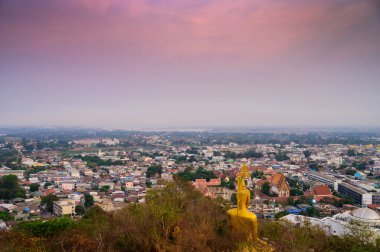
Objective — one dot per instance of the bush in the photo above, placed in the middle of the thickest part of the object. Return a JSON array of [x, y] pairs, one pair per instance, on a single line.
[[173, 218]]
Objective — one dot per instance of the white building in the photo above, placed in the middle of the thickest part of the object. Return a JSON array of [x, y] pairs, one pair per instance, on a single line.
[[64, 207], [324, 179], [75, 173], [342, 223], [18, 173], [67, 186]]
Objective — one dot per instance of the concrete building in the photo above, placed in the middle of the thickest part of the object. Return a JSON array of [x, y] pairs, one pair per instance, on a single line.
[[67, 186], [342, 223], [64, 207], [325, 179], [18, 173], [376, 198], [360, 196]]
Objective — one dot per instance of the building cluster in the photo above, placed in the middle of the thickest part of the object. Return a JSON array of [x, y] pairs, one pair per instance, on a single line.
[[284, 178]]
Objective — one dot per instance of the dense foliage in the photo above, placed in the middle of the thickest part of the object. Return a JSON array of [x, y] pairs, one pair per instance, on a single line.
[[94, 161], [155, 170], [174, 218], [247, 154], [9, 158], [48, 202], [189, 175], [10, 188]]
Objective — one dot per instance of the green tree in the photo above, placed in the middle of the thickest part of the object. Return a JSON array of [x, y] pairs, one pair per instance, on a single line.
[[351, 153], [88, 200], [154, 170], [265, 188], [290, 201], [296, 192], [48, 202], [307, 153], [201, 173], [48, 228], [231, 184], [79, 209], [281, 156], [34, 187], [362, 166], [47, 184], [148, 184], [5, 216], [257, 174], [350, 172], [104, 188], [10, 188]]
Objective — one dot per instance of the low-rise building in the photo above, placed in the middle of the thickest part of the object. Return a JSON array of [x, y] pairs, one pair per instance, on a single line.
[[64, 207], [360, 196]]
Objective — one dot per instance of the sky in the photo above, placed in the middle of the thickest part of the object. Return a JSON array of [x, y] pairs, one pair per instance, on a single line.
[[190, 63]]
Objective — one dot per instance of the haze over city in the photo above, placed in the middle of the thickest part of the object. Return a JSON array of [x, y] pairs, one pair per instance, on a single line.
[[146, 63]]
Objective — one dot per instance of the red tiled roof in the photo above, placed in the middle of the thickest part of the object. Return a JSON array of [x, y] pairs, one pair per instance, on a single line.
[[321, 190], [373, 206], [49, 191], [200, 182], [258, 168], [214, 182]]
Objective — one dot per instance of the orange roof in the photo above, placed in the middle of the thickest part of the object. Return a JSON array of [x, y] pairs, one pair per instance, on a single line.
[[214, 182], [258, 168], [200, 182], [49, 191], [321, 190], [373, 206], [279, 181], [277, 178]]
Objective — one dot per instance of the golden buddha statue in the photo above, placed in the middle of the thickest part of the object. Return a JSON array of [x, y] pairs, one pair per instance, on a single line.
[[244, 222]]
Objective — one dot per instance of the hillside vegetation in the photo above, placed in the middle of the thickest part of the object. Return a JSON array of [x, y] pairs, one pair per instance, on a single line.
[[175, 217]]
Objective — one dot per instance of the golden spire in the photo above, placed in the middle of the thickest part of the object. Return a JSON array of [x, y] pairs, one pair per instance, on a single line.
[[244, 173]]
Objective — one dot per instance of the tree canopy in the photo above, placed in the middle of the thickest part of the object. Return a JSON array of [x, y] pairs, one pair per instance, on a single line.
[[88, 200], [48, 202], [154, 170], [175, 217], [10, 188]]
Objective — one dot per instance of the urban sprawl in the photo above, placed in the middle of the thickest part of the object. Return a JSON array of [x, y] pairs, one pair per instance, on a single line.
[[329, 179]]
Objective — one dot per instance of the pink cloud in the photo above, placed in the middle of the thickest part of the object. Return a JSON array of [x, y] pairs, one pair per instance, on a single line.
[[245, 30]]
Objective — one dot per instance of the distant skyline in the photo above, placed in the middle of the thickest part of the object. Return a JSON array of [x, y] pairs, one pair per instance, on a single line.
[[190, 63]]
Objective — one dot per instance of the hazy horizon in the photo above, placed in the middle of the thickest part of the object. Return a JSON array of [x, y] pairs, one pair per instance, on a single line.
[[190, 64]]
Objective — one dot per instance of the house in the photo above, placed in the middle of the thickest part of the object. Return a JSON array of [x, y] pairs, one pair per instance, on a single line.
[[214, 182], [200, 183], [320, 192], [259, 183], [64, 207], [279, 185]]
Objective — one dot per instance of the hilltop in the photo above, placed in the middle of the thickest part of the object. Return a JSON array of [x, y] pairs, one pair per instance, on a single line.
[[175, 217]]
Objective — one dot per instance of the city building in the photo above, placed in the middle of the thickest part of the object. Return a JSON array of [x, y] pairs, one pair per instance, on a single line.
[[18, 173], [325, 179], [342, 223], [64, 207], [360, 196]]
